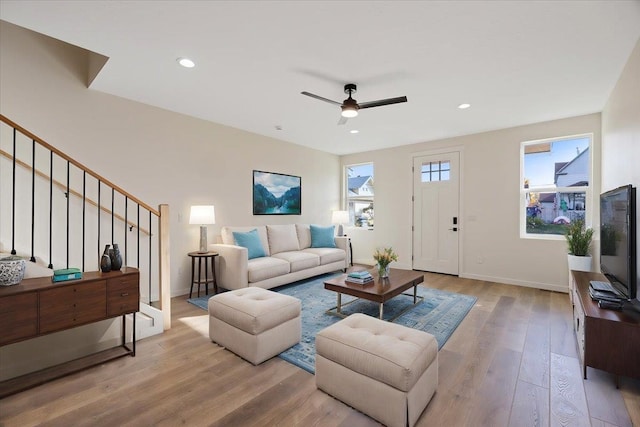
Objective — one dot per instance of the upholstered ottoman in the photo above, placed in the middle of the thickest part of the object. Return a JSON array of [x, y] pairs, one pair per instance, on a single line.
[[385, 370], [254, 323]]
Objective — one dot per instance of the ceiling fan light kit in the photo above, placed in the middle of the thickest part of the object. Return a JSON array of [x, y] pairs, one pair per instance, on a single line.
[[349, 111], [350, 106]]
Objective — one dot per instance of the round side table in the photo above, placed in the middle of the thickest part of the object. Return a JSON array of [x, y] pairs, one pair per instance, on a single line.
[[206, 256]]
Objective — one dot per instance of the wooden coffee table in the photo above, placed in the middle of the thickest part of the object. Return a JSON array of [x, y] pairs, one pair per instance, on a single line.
[[380, 291]]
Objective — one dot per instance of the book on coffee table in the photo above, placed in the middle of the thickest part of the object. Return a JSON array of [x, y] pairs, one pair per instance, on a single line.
[[359, 281]]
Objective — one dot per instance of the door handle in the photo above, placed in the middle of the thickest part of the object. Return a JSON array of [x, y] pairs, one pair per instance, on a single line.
[[453, 229]]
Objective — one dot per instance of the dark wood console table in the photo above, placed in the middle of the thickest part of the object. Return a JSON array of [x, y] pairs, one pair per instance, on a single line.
[[37, 307], [607, 339]]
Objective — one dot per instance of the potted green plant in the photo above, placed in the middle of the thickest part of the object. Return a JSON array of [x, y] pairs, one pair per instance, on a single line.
[[579, 240]]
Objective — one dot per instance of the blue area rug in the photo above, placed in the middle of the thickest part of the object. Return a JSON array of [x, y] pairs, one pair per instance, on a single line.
[[439, 314]]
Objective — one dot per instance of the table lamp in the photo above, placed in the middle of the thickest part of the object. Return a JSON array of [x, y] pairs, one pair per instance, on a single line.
[[202, 215], [340, 217]]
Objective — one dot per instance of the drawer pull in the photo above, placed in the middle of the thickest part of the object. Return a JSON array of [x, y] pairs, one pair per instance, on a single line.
[[124, 294]]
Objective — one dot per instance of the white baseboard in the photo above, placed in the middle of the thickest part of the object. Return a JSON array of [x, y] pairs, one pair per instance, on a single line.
[[516, 282]]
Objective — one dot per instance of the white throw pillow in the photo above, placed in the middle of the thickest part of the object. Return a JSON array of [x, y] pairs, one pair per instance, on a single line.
[[304, 235], [282, 238]]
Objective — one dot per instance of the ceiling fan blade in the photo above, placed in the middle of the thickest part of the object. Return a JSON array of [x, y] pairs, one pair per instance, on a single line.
[[321, 98], [343, 120], [382, 102]]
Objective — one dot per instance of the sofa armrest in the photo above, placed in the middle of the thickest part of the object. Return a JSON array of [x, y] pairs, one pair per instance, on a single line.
[[232, 269], [342, 242]]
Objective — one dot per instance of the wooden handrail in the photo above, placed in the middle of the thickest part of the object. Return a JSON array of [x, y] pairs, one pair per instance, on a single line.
[[77, 164], [75, 193]]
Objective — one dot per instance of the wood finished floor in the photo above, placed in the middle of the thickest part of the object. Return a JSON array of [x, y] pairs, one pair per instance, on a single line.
[[512, 362]]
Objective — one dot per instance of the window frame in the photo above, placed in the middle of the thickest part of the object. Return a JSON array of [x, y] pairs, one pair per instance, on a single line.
[[588, 189], [347, 199]]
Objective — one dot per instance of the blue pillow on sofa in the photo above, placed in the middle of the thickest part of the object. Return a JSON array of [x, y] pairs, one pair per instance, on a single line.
[[251, 241], [322, 237]]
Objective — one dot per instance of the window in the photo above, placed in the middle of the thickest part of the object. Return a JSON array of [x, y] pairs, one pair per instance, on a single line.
[[359, 193], [436, 171], [554, 190]]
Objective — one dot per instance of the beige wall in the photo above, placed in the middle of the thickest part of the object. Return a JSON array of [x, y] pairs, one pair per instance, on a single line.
[[156, 155], [491, 247], [621, 133]]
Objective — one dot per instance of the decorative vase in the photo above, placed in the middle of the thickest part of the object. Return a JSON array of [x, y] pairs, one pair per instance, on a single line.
[[105, 261], [116, 258], [12, 270], [383, 271]]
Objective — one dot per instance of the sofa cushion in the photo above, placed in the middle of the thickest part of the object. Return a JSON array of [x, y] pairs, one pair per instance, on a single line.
[[282, 238], [266, 267], [327, 255], [322, 237], [226, 233], [304, 235], [251, 241], [299, 260]]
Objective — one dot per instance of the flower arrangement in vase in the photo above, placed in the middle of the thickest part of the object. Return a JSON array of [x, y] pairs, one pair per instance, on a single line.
[[384, 257]]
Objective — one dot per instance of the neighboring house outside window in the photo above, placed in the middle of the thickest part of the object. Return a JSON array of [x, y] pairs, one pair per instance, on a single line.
[[360, 193], [555, 176]]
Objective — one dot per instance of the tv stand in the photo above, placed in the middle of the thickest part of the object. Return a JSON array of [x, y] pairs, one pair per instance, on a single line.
[[607, 339]]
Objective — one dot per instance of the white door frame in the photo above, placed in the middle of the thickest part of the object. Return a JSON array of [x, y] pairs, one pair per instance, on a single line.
[[461, 222]]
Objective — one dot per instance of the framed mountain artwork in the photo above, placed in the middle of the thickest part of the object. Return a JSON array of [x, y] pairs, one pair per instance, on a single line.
[[276, 194]]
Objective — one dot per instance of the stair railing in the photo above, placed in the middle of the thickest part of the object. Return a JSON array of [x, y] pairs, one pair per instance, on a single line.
[[92, 211]]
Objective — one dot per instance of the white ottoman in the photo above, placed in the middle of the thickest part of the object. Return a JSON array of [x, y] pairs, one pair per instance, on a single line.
[[385, 370], [254, 323]]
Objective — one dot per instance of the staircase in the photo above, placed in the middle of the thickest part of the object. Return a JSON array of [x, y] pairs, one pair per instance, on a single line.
[[57, 213]]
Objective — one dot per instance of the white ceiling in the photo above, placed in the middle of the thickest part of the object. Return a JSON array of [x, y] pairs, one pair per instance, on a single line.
[[516, 62]]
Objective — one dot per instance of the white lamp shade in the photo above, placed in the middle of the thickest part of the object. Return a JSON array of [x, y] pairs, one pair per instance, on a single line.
[[340, 217], [202, 215]]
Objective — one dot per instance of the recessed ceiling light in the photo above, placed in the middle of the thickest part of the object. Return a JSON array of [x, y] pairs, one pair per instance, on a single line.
[[354, 131], [464, 106], [186, 62]]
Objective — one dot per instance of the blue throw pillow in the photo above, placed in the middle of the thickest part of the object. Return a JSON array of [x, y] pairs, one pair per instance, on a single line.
[[322, 237], [251, 241]]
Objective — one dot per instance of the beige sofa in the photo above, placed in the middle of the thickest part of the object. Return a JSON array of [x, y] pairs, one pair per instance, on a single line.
[[289, 257]]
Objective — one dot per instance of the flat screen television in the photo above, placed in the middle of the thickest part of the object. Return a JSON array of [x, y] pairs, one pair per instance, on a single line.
[[618, 239]]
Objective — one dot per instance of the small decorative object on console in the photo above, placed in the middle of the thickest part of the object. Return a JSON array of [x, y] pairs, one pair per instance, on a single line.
[[12, 270], [66, 274], [105, 261], [384, 257], [116, 258]]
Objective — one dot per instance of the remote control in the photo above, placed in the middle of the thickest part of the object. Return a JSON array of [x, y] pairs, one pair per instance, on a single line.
[[609, 305]]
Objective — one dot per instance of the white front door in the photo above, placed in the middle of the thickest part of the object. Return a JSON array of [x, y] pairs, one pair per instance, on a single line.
[[436, 194]]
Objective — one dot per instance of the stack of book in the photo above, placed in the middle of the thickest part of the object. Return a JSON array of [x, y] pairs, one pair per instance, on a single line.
[[604, 291], [359, 277], [67, 274]]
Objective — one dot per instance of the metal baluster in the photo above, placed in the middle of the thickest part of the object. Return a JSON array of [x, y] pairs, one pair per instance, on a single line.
[[13, 199], [84, 196], [112, 207], [33, 199], [150, 233], [126, 223], [98, 219], [51, 209], [138, 245], [68, 198]]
